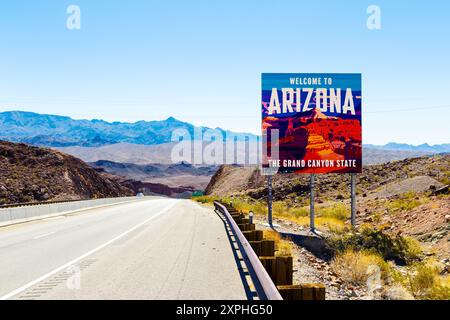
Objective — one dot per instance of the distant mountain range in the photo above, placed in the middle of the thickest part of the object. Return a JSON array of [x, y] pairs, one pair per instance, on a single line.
[[437, 148], [146, 142], [60, 131]]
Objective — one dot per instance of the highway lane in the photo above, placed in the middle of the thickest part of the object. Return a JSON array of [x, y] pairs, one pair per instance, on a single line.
[[149, 249]]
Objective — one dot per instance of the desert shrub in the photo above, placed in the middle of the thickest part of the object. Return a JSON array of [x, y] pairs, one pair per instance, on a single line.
[[411, 248], [376, 217], [355, 267], [257, 207], [238, 203], [444, 177], [403, 250], [421, 280], [334, 226], [283, 248], [438, 292], [424, 282], [407, 202], [404, 204], [397, 292], [204, 199]]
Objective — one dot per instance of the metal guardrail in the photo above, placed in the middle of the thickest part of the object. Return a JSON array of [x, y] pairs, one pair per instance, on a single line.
[[264, 285], [37, 203], [18, 213]]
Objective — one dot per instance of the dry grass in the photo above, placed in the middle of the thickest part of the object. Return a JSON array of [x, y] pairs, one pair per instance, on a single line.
[[283, 248], [272, 235], [363, 252], [424, 282], [355, 267], [407, 202], [330, 218], [205, 199], [421, 280], [401, 249]]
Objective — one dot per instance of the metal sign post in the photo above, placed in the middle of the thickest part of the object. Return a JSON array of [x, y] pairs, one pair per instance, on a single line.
[[311, 203], [353, 198], [269, 200]]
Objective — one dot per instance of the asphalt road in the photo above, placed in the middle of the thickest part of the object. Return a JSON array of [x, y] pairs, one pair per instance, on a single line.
[[150, 249]]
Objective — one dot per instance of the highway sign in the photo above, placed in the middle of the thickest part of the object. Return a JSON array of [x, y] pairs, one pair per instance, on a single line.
[[317, 121]]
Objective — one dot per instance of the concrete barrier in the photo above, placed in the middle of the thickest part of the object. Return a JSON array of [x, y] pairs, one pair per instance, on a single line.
[[28, 213]]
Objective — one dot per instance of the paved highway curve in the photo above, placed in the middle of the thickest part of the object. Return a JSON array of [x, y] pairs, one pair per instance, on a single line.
[[150, 249]]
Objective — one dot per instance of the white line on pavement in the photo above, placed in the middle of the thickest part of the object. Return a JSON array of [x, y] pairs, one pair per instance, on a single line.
[[44, 235], [55, 218], [68, 264]]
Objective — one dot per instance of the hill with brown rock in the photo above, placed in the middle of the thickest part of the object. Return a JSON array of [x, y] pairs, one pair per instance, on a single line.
[[387, 179], [409, 197], [29, 174]]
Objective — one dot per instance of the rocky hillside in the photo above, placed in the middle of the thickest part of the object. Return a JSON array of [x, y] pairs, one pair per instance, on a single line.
[[173, 175], [233, 180], [409, 197], [38, 174]]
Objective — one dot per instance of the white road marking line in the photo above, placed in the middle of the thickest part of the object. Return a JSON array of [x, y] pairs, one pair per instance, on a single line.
[[68, 264], [54, 218], [44, 235]]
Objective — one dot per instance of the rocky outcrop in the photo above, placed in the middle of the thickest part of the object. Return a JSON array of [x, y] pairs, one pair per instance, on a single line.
[[233, 178], [30, 174]]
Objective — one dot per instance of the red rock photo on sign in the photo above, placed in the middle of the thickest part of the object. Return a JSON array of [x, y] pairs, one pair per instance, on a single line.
[[316, 137]]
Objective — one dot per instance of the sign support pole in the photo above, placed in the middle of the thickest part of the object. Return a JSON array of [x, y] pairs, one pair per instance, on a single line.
[[269, 200], [353, 198], [311, 203]]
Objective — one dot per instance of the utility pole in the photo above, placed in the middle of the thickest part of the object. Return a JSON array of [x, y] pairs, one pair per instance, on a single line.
[[311, 203], [353, 198], [269, 200]]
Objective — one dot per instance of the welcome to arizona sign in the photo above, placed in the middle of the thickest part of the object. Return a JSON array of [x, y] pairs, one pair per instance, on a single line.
[[317, 119]]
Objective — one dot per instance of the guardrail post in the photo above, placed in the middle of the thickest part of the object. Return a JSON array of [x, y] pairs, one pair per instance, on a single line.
[[311, 203], [353, 198], [269, 200], [269, 264], [284, 266], [267, 248], [256, 246]]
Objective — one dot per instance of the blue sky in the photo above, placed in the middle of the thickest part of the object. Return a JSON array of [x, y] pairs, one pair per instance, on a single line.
[[201, 61]]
